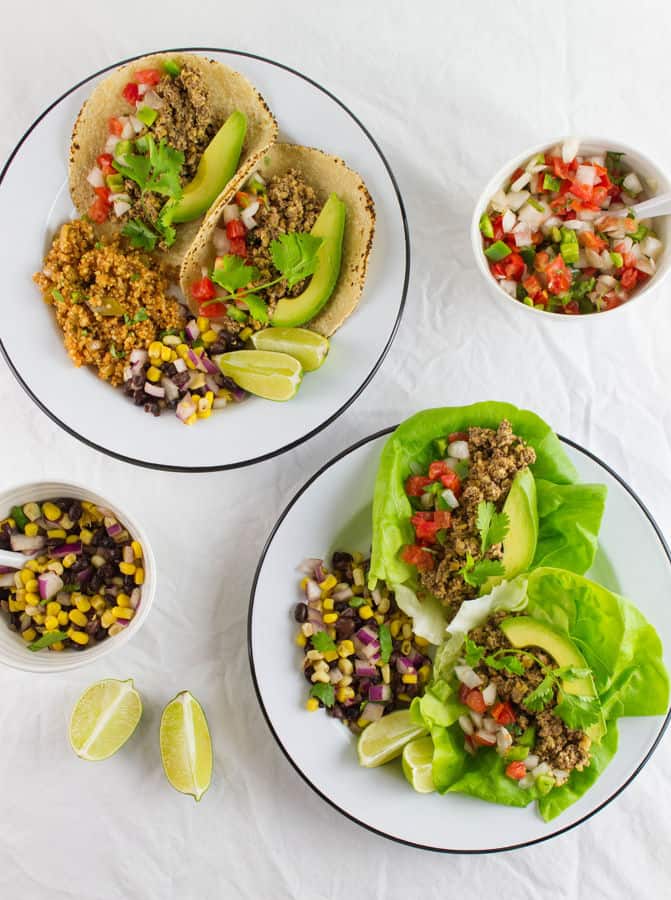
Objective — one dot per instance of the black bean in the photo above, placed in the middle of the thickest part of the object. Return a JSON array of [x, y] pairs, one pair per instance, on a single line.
[[301, 612], [101, 634], [345, 628], [341, 560], [153, 408], [75, 511], [128, 583], [92, 625]]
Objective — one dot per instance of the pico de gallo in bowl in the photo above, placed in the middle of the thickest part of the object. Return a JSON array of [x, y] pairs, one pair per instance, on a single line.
[[550, 238]]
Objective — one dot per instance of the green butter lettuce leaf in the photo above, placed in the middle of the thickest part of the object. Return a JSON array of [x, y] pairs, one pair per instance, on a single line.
[[484, 776], [449, 757], [568, 520]]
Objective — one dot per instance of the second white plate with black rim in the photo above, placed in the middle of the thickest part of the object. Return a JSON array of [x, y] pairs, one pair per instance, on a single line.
[[333, 511], [34, 199]]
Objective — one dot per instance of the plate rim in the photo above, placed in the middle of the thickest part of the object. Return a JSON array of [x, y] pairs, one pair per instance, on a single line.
[[332, 803], [164, 467]]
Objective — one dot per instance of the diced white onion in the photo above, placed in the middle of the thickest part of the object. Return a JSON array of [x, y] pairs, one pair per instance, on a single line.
[[142, 89], [476, 718], [498, 201], [522, 234], [489, 694], [466, 724], [532, 216], [599, 159], [222, 245], [570, 149], [151, 98], [127, 132], [574, 225], [526, 782], [486, 737], [549, 224], [504, 740], [231, 212], [646, 265], [121, 196], [467, 676], [632, 183], [96, 178], [515, 199], [257, 177], [651, 246], [593, 258], [509, 286], [137, 124], [521, 182], [121, 207], [450, 499], [111, 143], [531, 761], [541, 769], [535, 184], [588, 215], [490, 725], [606, 280], [247, 215], [586, 175], [508, 221], [458, 450]]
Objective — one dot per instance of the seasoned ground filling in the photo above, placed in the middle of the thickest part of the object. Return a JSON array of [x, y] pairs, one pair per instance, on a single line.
[[108, 299], [185, 123], [495, 458], [557, 744], [291, 205]]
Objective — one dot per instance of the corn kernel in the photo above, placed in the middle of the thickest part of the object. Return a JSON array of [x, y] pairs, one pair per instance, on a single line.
[[328, 604], [79, 637], [155, 349], [313, 655], [345, 648], [328, 583], [153, 374], [209, 337], [190, 364], [26, 575], [29, 635], [345, 693], [406, 648], [32, 599], [357, 557], [421, 642], [321, 677], [345, 666], [406, 631], [98, 603], [137, 549], [331, 655], [56, 533], [345, 681], [72, 539], [32, 564], [245, 334], [301, 640], [51, 623], [83, 604], [53, 608], [409, 678], [424, 673], [51, 512], [165, 354], [362, 723], [123, 600], [69, 560], [55, 566], [330, 618], [405, 698], [127, 568], [107, 618], [182, 350], [31, 529], [85, 536], [38, 618], [331, 632], [63, 618], [57, 645], [32, 586], [379, 618], [312, 704], [304, 582], [139, 575], [307, 629], [78, 617], [365, 611], [357, 575], [31, 511], [386, 673], [203, 323], [120, 613], [115, 629], [16, 605]]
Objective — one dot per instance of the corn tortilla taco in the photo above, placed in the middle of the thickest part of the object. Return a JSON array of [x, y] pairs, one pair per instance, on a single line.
[[290, 248], [157, 143]]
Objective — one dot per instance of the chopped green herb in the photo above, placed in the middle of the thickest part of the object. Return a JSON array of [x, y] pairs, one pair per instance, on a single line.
[[141, 237], [58, 297], [322, 642], [232, 273], [19, 517], [476, 573], [384, 636], [51, 637], [323, 692], [528, 254], [294, 255], [473, 653], [578, 712], [116, 354], [141, 315], [492, 525]]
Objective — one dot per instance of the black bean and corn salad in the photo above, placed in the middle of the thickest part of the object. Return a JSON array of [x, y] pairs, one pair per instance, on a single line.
[[361, 656], [85, 584], [179, 372]]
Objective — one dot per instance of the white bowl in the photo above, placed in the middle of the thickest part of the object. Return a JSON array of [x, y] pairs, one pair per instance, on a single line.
[[13, 649], [657, 182]]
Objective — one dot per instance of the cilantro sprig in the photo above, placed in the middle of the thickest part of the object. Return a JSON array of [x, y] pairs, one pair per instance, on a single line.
[[323, 692], [322, 642], [492, 525], [476, 573]]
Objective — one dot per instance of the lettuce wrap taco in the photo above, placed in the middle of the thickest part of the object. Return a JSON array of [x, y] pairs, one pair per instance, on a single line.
[[158, 141], [288, 249]]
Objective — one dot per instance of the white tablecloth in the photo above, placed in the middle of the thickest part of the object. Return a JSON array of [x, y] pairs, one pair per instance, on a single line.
[[450, 90]]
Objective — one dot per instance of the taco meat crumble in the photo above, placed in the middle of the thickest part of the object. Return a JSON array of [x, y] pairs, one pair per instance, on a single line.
[[495, 459]]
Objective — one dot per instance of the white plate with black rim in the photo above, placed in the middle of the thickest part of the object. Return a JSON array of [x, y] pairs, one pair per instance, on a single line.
[[242, 434], [333, 511]]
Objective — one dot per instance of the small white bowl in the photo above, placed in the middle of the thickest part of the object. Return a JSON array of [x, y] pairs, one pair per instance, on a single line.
[[656, 179], [13, 649]]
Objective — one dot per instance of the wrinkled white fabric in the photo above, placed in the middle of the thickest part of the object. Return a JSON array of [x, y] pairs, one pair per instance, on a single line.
[[450, 90]]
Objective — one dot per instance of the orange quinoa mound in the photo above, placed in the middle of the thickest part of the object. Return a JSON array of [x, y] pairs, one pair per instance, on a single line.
[[108, 299]]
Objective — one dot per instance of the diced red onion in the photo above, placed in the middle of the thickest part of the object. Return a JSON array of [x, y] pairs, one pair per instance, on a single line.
[[379, 693], [170, 388], [364, 668], [307, 566], [367, 635], [185, 408], [180, 365], [208, 366], [65, 549], [191, 330], [49, 584], [342, 594], [7, 579], [154, 390], [230, 213], [320, 572], [367, 651], [404, 666], [23, 543], [138, 357], [372, 712], [312, 590]]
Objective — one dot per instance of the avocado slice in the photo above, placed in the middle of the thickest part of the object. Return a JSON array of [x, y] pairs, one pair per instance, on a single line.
[[217, 166], [519, 545], [330, 227], [525, 631]]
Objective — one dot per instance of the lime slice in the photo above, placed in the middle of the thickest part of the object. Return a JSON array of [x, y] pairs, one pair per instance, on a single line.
[[186, 748], [274, 376], [104, 718], [418, 764], [385, 739], [308, 347]]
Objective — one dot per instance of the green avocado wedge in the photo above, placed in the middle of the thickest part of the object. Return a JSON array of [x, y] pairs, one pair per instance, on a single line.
[[519, 545], [291, 312], [525, 631], [216, 168]]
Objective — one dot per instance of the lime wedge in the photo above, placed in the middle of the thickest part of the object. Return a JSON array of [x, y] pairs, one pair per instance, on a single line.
[[385, 739], [308, 347], [186, 748], [418, 764], [274, 376], [104, 717]]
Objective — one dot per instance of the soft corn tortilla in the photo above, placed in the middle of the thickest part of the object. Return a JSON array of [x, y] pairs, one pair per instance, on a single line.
[[228, 90], [326, 174]]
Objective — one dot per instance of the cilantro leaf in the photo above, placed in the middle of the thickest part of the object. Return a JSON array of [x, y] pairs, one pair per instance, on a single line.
[[539, 698], [258, 308], [384, 636], [232, 273], [510, 663], [578, 712], [295, 255], [473, 653], [166, 163], [492, 525], [135, 166], [486, 510], [476, 573], [323, 692], [322, 642], [140, 235], [141, 315], [50, 637]]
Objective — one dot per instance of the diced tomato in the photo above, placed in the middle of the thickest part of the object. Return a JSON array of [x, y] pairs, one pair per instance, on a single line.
[[243, 199], [475, 701], [629, 278], [99, 210], [105, 161], [452, 482], [211, 310], [414, 486], [599, 195], [582, 191], [103, 193], [148, 76], [558, 205], [541, 299], [457, 436], [497, 225], [610, 301], [516, 770], [425, 527], [572, 308], [438, 468], [541, 261], [235, 229], [497, 269], [559, 168], [131, 93], [629, 260], [592, 241], [558, 276], [239, 247], [532, 286], [589, 271], [203, 289], [503, 714], [516, 174], [115, 126], [513, 266], [443, 518], [418, 556]]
